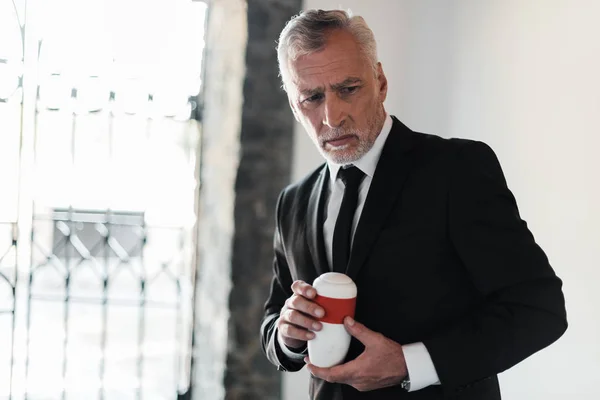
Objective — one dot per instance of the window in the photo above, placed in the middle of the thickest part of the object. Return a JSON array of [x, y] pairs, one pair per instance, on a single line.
[[99, 165]]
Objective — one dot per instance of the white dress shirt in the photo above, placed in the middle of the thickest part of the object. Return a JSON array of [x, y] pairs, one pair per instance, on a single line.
[[418, 361]]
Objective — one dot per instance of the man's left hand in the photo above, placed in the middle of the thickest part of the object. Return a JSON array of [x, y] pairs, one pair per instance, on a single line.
[[380, 365]]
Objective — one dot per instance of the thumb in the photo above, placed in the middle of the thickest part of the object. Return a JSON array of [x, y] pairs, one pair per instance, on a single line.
[[359, 331]]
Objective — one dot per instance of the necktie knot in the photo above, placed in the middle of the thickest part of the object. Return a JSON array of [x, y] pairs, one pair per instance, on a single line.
[[351, 176]]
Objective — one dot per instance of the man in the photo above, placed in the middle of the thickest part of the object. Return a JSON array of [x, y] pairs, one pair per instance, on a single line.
[[452, 288]]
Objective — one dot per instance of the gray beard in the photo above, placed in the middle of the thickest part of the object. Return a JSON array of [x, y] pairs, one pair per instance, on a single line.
[[363, 147], [343, 157]]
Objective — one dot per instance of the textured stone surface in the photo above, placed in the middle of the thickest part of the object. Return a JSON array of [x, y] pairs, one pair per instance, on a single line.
[[247, 151], [223, 98], [265, 168]]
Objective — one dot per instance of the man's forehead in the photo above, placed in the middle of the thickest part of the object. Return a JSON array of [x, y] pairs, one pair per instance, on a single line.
[[327, 61], [340, 59], [326, 68], [324, 75]]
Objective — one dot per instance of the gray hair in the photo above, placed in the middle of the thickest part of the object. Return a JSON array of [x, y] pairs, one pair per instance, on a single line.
[[307, 32]]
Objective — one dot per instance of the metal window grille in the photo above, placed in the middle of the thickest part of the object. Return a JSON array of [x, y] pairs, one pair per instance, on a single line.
[[99, 169]]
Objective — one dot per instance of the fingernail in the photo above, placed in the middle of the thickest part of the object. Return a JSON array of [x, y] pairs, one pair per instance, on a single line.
[[319, 312], [350, 321], [316, 326], [310, 292], [310, 335]]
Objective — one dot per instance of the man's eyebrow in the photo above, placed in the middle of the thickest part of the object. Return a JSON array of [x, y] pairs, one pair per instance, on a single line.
[[349, 81], [336, 86], [312, 92]]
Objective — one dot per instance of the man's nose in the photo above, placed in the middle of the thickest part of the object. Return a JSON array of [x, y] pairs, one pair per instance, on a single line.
[[335, 113]]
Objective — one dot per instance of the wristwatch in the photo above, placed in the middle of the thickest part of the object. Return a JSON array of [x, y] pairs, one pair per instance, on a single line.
[[405, 384]]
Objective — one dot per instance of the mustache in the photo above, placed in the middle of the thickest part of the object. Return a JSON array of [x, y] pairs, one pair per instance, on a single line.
[[335, 134]]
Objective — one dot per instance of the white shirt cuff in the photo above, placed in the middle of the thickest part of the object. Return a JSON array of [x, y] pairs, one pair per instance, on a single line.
[[286, 350], [421, 370]]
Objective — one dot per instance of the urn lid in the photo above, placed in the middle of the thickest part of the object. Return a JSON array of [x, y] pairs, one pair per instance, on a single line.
[[335, 285]]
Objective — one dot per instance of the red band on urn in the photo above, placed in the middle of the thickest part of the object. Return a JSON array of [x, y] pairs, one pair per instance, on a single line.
[[336, 309]]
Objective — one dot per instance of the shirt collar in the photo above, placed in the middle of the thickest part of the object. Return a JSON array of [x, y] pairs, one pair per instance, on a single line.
[[368, 162]]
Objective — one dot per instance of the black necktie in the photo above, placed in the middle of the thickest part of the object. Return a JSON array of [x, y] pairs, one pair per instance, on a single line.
[[342, 234]]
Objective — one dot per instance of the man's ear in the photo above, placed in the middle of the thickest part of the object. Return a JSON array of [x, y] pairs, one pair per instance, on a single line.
[[383, 83]]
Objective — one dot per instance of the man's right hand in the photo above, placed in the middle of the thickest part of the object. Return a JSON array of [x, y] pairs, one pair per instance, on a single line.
[[297, 317]]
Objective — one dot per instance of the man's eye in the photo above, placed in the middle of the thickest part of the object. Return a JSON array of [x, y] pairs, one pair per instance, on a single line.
[[349, 89], [313, 98]]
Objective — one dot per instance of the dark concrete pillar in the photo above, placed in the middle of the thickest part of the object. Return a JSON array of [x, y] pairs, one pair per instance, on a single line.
[[265, 167]]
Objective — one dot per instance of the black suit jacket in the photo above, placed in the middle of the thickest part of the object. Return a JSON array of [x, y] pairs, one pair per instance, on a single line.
[[440, 256]]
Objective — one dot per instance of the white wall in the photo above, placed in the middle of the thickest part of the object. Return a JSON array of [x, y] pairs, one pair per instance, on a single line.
[[523, 76]]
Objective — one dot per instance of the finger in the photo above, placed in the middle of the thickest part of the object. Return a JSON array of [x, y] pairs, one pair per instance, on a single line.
[[300, 319], [290, 331], [343, 373], [304, 305], [322, 373], [302, 288], [360, 332]]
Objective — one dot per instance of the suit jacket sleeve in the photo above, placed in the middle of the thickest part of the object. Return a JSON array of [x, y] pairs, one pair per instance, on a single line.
[[280, 291], [523, 307]]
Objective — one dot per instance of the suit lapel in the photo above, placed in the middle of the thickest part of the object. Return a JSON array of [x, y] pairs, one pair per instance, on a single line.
[[391, 172], [314, 222]]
